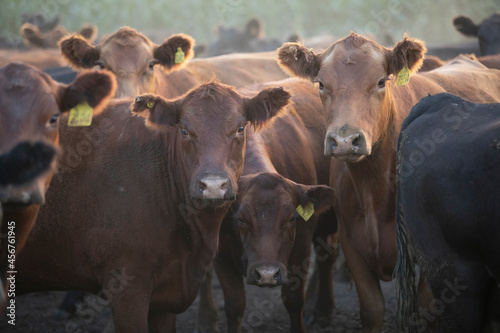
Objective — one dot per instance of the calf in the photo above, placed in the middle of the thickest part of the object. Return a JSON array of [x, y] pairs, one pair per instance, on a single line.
[[487, 32], [136, 61], [364, 110], [30, 106], [448, 222], [263, 237], [137, 205]]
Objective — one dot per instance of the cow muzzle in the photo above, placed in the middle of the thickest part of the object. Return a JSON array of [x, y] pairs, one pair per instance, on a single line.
[[266, 275], [213, 189], [348, 146], [22, 173]]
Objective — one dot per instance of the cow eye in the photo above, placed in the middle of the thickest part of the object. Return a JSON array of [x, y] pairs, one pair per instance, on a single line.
[[241, 129], [100, 64], [153, 63], [321, 87], [184, 132], [381, 84], [53, 120]]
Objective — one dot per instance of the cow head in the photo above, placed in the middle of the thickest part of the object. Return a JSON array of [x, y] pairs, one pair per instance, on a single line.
[[487, 32], [231, 40], [130, 55], [354, 76], [267, 220], [30, 106], [210, 125]]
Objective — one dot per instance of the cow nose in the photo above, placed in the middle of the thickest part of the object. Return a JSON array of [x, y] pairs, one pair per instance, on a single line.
[[213, 187], [267, 275], [353, 144]]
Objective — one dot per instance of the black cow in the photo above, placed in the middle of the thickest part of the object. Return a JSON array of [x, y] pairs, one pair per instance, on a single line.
[[448, 201], [488, 32]]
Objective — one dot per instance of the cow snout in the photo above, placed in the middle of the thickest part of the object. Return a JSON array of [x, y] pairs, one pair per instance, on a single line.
[[213, 187], [349, 146], [25, 162], [266, 276]]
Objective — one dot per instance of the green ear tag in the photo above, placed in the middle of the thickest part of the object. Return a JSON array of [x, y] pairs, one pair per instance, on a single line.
[[179, 56], [80, 115], [403, 77], [306, 212]]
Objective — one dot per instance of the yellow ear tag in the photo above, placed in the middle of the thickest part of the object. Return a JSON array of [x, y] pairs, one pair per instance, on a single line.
[[179, 56], [150, 104], [403, 77], [80, 115], [306, 212]]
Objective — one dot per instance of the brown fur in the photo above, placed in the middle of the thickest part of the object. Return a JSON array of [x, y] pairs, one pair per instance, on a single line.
[[32, 35], [29, 99], [266, 201], [137, 184], [132, 57], [353, 101]]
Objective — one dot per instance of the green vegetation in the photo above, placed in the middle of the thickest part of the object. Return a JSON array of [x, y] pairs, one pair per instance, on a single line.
[[426, 19]]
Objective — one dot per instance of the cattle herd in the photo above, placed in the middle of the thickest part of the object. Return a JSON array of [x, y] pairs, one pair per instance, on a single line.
[[139, 169]]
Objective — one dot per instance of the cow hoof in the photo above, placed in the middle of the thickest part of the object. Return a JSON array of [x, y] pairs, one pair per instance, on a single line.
[[316, 320]]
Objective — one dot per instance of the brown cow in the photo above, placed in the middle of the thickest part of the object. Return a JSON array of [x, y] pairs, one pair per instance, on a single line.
[[38, 58], [30, 105], [263, 237], [134, 59], [32, 36], [138, 205], [490, 61], [364, 110]]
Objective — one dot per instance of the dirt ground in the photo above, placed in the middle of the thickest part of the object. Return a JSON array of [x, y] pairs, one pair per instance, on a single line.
[[264, 313]]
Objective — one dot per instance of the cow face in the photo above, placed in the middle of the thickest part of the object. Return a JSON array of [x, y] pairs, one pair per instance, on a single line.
[[268, 219], [210, 129], [354, 78], [131, 56], [487, 32], [30, 105]]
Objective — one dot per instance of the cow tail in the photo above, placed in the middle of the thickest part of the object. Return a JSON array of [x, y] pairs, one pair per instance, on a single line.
[[407, 314]]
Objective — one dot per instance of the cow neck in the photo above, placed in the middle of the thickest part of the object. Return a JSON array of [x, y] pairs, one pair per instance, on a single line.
[[256, 158], [373, 177], [198, 229]]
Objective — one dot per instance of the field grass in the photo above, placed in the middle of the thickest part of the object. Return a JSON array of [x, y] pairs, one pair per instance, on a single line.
[[426, 19]]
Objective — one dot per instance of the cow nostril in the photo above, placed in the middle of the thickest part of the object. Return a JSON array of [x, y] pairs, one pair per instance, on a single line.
[[203, 186], [257, 275], [277, 275], [356, 142], [224, 186]]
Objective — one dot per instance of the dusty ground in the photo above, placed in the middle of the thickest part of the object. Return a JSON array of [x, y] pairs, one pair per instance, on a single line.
[[34, 313]]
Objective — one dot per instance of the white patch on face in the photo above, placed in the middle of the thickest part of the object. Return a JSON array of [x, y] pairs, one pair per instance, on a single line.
[[330, 57]]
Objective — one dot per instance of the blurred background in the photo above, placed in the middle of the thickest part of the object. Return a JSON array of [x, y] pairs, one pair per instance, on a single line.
[[385, 20]]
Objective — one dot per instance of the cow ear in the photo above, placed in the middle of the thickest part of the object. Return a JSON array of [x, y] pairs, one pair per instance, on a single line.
[[78, 52], [465, 26], [254, 29], [299, 61], [266, 105], [92, 87], [166, 52], [31, 35], [89, 32], [408, 52], [157, 110], [321, 196]]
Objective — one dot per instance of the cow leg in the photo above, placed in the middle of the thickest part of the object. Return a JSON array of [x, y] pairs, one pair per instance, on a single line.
[[293, 293], [161, 322], [460, 297], [129, 295], [207, 312], [326, 253], [234, 293], [371, 299]]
